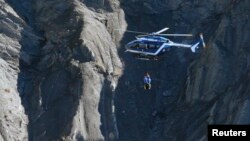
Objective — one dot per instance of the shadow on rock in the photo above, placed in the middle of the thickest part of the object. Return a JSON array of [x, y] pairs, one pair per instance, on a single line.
[[50, 95]]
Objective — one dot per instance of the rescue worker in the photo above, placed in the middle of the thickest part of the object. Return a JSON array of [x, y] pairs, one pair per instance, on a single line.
[[147, 82]]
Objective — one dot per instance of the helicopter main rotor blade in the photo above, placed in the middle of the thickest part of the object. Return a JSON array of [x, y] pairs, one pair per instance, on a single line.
[[136, 32], [162, 30], [131, 31], [145, 35], [189, 35]]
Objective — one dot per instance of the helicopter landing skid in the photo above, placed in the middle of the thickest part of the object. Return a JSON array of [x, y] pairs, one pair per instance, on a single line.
[[143, 57]]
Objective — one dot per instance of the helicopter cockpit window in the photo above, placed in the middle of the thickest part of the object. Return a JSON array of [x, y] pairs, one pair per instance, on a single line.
[[133, 45]]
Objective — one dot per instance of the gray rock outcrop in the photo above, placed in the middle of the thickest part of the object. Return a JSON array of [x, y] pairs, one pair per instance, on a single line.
[[13, 121]]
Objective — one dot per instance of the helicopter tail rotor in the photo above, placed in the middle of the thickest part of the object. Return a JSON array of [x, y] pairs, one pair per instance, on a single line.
[[202, 40], [196, 45]]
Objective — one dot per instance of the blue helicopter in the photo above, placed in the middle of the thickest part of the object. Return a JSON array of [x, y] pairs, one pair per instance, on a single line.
[[150, 45]]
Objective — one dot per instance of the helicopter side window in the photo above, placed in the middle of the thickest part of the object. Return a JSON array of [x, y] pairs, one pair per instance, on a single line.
[[159, 45], [151, 46], [144, 46]]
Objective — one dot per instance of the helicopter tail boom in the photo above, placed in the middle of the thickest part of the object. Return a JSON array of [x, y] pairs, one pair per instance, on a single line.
[[193, 47]]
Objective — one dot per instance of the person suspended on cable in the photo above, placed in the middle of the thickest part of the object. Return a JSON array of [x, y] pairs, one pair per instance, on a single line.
[[147, 82]]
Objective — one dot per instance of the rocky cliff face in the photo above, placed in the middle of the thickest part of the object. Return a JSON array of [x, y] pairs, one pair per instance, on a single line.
[[65, 75], [13, 122]]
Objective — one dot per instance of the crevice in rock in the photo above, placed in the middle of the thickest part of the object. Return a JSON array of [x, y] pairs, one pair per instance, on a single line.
[[106, 108]]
